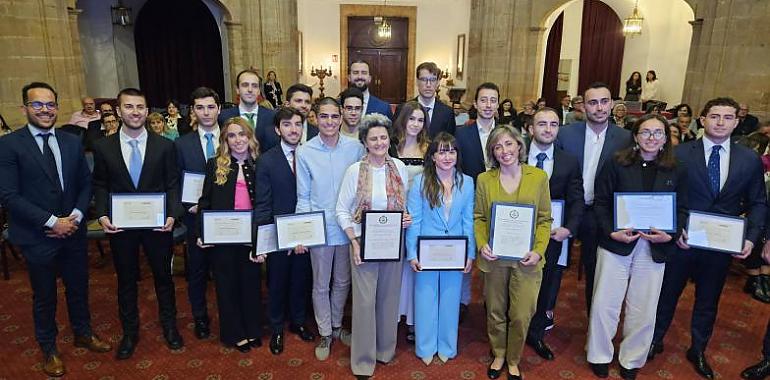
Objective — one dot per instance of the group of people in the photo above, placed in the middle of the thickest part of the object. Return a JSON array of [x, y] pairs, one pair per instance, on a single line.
[[443, 179]]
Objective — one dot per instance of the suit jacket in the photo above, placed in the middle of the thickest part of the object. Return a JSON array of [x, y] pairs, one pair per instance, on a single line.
[[222, 197], [560, 112], [189, 155], [471, 153], [442, 120], [276, 187], [32, 192], [615, 177], [379, 106], [743, 192], [312, 131], [93, 133], [159, 173], [264, 130], [572, 139]]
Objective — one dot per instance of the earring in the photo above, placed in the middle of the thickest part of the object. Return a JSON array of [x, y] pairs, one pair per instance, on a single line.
[[636, 147], [661, 149]]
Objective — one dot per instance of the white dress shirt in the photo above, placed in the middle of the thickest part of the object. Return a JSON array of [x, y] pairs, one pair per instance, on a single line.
[[288, 151], [548, 163], [202, 136], [125, 147], [592, 151], [366, 102], [242, 110], [483, 138], [724, 158], [431, 106]]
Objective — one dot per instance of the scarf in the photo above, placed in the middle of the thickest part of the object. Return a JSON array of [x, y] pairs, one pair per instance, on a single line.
[[394, 188]]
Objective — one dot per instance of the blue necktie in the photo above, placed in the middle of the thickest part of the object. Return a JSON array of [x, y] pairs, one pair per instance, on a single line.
[[540, 160], [135, 162], [209, 144], [713, 167]]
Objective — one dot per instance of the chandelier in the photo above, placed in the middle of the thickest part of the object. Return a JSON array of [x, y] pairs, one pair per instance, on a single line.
[[632, 25], [384, 30]]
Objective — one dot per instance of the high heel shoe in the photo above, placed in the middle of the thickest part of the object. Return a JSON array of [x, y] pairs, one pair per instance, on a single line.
[[494, 373]]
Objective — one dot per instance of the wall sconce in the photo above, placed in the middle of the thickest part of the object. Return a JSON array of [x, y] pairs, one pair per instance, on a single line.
[[121, 15]]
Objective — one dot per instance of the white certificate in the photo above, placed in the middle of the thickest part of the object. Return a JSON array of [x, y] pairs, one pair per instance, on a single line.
[[643, 211], [192, 187], [138, 210], [557, 213], [381, 235], [227, 227], [722, 233], [267, 239], [512, 231], [442, 252], [307, 229]]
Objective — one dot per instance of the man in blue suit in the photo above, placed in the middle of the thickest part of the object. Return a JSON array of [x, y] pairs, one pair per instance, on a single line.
[[46, 186], [360, 77], [724, 178], [442, 117], [247, 86]]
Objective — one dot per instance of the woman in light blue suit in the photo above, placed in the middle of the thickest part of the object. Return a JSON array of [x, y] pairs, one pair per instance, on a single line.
[[441, 204]]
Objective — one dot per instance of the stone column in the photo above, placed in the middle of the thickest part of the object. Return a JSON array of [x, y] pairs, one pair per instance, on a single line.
[[280, 49]]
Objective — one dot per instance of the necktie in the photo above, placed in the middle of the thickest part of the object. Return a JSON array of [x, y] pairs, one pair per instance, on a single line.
[[427, 109], [250, 118], [135, 162], [294, 161], [209, 144], [713, 168], [540, 159], [50, 160]]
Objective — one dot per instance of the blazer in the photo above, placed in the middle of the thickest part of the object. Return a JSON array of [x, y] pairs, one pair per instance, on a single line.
[[572, 138], [312, 131], [533, 190], [428, 221], [442, 120], [560, 112], [160, 173], [743, 192], [222, 197], [93, 132], [32, 193], [276, 186], [615, 177], [471, 153], [189, 155], [264, 130], [379, 106]]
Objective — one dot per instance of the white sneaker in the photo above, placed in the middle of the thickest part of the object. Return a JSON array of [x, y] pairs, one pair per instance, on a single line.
[[323, 348]]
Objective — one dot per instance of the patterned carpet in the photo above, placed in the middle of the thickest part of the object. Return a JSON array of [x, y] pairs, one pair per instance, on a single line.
[[736, 342]]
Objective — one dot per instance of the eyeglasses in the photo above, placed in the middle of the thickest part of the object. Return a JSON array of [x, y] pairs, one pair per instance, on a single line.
[[353, 108], [657, 135], [37, 106], [431, 80]]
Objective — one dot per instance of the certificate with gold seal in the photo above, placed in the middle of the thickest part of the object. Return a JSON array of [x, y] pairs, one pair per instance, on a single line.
[[512, 230], [381, 235]]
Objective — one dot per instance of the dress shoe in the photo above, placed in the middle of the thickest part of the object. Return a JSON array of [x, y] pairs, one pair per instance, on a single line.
[[53, 366], [276, 343], [92, 343], [173, 339], [463, 312], [302, 332], [515, 377], [202, 330], [698, 360], [751, 284], [243, 347], [758, 371], [628, 374], [427, 360], [255, 342], [762, 289], [601, 370], [410, 337], [540, 348], [494, 373], [126, 347], [655, 348]]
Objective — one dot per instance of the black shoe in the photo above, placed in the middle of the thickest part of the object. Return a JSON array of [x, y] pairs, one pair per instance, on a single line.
[[540, 348], [628, 374], [494, 373], [173, 339], [698, 360], [202, 330], [276, 343], [363, 377], [514, 377], [751, 284], [757, 371], [600, 370], [410, 337], [463, 312], [126, 347], [655, 348], [254, 343], [302, 332], [762, 290], [243, 348]]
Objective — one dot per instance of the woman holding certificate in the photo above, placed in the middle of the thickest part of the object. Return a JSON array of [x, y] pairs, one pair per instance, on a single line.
[[229, 185], [441, 204], [642, 191], [512, 223], [376, 184]]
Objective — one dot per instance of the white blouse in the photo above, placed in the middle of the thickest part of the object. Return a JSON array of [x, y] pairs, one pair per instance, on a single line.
[[649, 90]]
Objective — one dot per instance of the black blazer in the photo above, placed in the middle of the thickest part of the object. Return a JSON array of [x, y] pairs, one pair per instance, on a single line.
[[471, 153], [312, 131], [93, 132], [615, 177], [276, 187], [443, 118], [189, 154], [743, 192], [222, 197], [264, 130], [159, 173], [32, 192]]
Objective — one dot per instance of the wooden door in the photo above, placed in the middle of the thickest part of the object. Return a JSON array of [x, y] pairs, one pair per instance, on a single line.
[[387, 58]]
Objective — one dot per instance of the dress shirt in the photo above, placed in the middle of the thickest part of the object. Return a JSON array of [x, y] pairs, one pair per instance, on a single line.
[[592, 151], [724, 158], [242, 110], [366, 102], [204, 141], [484, 137], [304, 132], [81, 119], [125, 147], [320, 170], [548, 163], [288, 151], [431, 105]]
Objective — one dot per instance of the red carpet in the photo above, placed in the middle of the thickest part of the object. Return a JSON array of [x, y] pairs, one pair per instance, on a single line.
[[736, 342]]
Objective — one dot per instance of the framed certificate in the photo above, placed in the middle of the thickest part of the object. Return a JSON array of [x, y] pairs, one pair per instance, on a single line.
[[138, 210], [381, 235], [642, 211], [222, 227], [716, 232], [307, 229], [557, 213], [442, 252], [267, 240], [192, 187], [512, 230]]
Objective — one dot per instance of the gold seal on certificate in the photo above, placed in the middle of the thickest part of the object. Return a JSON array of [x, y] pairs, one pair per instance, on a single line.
[[192, 187], [716, 232], [227, 227], [442, 252], [307, 229], [267, 239], [512, 230], [381, 235], [643, 211], [138, 210]]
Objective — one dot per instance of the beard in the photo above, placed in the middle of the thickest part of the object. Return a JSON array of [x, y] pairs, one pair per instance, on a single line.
[[362, 87]]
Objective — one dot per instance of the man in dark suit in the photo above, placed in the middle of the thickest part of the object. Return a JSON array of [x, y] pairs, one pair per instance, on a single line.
[[135, 161], [247, 86], [289, 272], [442, 118], [192, 152], [300, 97], [360, 77], [724, 178], [46, 187], [566, 184], [747, 122], [563, 108], [593, 142]]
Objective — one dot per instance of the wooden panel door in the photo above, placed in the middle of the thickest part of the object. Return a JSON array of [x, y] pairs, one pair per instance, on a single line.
[[387, 58]]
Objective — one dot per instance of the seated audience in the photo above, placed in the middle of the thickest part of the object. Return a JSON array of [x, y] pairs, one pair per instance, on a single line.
[[619, 113], [506, 114], [158, 125]]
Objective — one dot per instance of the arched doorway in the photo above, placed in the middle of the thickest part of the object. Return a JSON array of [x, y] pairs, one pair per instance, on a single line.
[[178, 48]]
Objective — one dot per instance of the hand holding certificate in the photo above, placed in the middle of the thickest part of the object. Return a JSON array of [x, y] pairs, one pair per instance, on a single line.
[[381, 234], [442, 252], [307, 229], [138, 210], [644, 211], [267, 239], [715, 232], [227, 227], [512, 231]]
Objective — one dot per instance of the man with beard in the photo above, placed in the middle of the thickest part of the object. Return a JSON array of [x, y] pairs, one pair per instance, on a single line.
[[352, 106], [247, 86], [441, 116], [360, 77], [300, 97]]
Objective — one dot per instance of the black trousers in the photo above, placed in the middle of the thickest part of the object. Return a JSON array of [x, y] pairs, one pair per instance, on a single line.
[[549, 290], [589, 243], [71, 262], [238, 285], [289, 277], [157, 248], [197, 270], [709, 271]]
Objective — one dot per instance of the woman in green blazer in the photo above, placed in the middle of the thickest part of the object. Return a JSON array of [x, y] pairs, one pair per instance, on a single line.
[[510, 287]]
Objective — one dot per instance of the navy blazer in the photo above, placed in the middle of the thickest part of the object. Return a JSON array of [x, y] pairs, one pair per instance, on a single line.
[[264, 130], [471, 153], [743, 192], [189, 155], [379, 106], [276, 185], [442, 120], [32, 192], [312, 131], [572, 139]]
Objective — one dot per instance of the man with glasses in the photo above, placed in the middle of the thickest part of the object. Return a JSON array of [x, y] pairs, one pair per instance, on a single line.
[[359, 77], [577, 113], [46, 187], [352, 108], [442, 118], [248, 87], [107, 125]]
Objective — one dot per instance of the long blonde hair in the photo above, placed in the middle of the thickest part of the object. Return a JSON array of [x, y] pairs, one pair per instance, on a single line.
[[223, 151]]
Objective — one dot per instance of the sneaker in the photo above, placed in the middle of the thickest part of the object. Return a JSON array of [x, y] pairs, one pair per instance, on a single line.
[[346, 337], [323, 348]]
